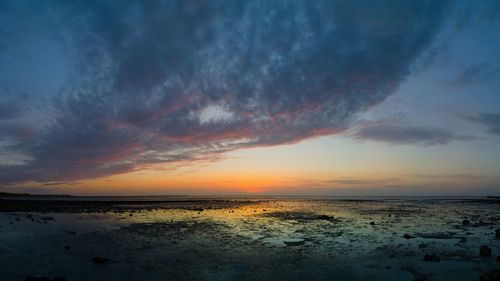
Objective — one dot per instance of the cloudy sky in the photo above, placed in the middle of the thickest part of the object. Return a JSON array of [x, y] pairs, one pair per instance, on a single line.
[[250, 97]]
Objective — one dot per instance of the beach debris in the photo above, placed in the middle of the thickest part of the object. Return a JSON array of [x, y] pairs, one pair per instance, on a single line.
[[485, 251], [407, 236], [432, 257], [295, 242], [100, 260], [492, 276]]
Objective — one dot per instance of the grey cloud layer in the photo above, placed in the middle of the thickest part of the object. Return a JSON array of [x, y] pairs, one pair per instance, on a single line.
[[282, 70]]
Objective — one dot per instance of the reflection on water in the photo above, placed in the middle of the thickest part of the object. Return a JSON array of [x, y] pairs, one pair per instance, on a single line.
[[278, 239]]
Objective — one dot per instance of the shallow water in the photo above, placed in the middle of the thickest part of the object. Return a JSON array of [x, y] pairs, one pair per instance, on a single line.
[[285, 239]]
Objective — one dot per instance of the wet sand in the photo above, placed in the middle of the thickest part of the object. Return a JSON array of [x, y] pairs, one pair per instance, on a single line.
[[250, 239]]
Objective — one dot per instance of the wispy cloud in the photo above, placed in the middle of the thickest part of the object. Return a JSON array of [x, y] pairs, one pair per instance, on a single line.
[[474, 73], [465, 176], [363, 181], [406, 134], [489, 120]]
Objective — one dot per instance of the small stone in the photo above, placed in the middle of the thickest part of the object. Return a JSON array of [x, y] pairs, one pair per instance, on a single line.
[[295, 242], [422, 246], [433, 257], [100, 260], [485, 251], [408, 236], [32, 278], [324, 217]]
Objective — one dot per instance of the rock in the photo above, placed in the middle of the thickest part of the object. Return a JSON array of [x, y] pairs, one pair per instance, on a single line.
[[433, 257], [100, 260], [498, 258], [485, 251], [492, 276], [422, 246], [372, 223], [32, 278], [67, 247], [408, 236], [466, 222], [324, 217], [497, 233], [295, 242]]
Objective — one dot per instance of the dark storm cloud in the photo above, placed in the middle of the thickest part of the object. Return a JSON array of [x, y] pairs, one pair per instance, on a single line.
[[490, 120], [401, 134], [278, 71]]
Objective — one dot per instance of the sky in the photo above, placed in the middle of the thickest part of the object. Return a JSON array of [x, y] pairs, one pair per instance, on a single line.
[[250, 97]]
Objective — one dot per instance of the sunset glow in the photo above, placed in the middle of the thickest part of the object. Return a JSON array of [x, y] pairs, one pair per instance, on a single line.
[[191, 98]]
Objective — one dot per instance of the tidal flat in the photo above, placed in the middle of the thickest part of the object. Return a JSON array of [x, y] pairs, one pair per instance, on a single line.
[[250, 239]]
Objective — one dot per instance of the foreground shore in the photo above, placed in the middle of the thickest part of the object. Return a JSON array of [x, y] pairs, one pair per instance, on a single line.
[[243, 239]]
